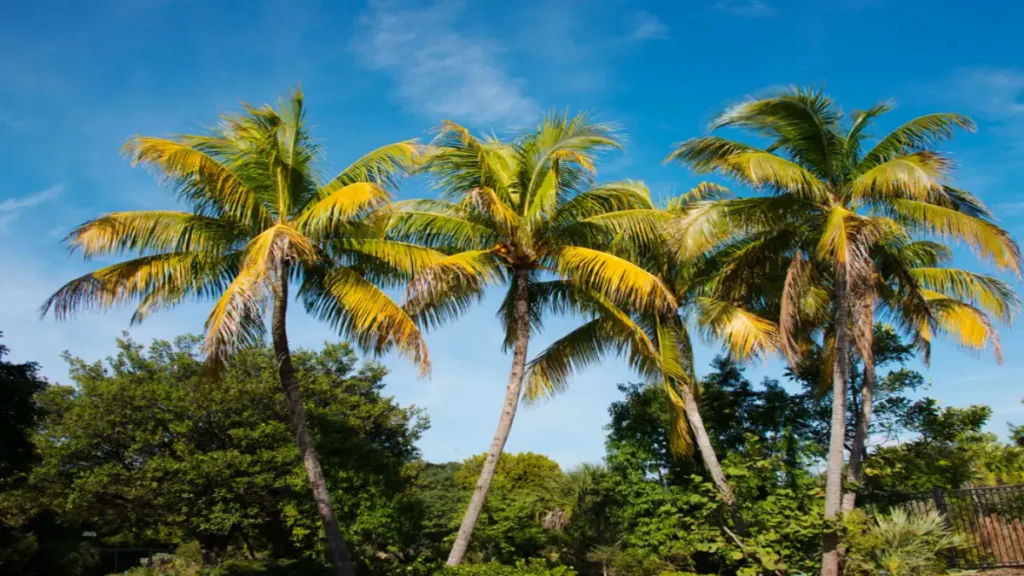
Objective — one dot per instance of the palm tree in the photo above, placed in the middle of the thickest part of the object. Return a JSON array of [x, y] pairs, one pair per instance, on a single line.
[[659, 345], [260, 218], [835, 203], [527, 215], [912, 283]]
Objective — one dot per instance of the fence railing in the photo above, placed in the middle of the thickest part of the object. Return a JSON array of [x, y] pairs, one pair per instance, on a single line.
[[989, 522]]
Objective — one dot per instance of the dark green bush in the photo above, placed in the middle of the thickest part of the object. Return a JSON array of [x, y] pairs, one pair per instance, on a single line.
[[531, 567]]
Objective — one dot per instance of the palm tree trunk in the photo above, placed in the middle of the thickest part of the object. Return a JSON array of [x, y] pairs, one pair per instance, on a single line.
[[297, 418], [834, 469], [508, 414], [707, 453], [865, 346]]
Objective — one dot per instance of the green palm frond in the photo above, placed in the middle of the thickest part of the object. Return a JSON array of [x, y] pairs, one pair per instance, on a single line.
[[751, 166], [381, 167], [921, 133], [916, 176]]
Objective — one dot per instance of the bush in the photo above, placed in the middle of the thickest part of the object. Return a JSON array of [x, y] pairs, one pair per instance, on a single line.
[[531, 567], [897, 544]]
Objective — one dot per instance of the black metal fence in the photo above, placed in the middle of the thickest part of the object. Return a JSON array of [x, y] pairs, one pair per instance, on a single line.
[[988, 521]]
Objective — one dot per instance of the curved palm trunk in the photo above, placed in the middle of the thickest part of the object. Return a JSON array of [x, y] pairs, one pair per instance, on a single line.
[[707, 453], [297, 419], [508, 414], [834, 470], [865, 346]]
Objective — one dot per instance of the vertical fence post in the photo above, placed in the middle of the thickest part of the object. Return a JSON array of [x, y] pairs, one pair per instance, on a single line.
[[939, 497]]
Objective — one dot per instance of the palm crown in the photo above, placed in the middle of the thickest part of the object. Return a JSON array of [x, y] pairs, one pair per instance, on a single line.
[[832, 206], [525, 212], [260, 215]]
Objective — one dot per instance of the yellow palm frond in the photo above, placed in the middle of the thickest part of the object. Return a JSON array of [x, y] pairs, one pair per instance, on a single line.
[[200, 178], [485, 201], [921, 133], [969, 325], [237, 319], [159, 280], [615, 278], [835, 242], [987, 293], [744, 333], [917, 176], [151, 231], [983, 237], [320, 219], [703, 192], [351, 304], [680, 442], [401, 257]]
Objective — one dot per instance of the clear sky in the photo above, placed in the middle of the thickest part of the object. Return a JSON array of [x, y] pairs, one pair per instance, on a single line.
[[79, 78]]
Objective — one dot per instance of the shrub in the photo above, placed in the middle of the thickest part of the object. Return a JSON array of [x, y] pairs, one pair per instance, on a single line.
[[531, 567], [897, 544]]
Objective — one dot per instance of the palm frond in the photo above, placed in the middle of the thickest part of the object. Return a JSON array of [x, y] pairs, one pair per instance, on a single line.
[[749, 165], [381, 167], [615, 278], [152, 231], [200, 178], [983, 237], [320, 219], [921, 133], [745, 334], [985, 292]]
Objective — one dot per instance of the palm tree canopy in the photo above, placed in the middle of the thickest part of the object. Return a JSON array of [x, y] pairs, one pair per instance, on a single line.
[[258, 208], [526, 210], [832, 198], [657, 343]]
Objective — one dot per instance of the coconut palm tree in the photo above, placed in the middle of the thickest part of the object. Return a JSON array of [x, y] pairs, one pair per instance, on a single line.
[[526, 215], [836, 202], [659, 345], [260, 218]]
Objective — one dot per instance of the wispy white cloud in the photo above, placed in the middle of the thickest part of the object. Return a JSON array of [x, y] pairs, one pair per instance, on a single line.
[[745, 8], [439, 70], [647, 26], [15, 204], [995, 92], [11, 208]]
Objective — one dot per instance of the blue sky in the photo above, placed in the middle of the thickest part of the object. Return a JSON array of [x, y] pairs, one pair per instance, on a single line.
[[79, 78]]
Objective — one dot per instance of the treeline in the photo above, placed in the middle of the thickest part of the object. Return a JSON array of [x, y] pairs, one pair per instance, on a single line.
[[146, 450]]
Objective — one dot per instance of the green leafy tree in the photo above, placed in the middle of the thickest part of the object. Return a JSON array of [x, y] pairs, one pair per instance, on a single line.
[[260, 216], [671, 518], [658, 344], [949, 450], [829, 201], [526, 215], [524, 492], [148, 450]]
